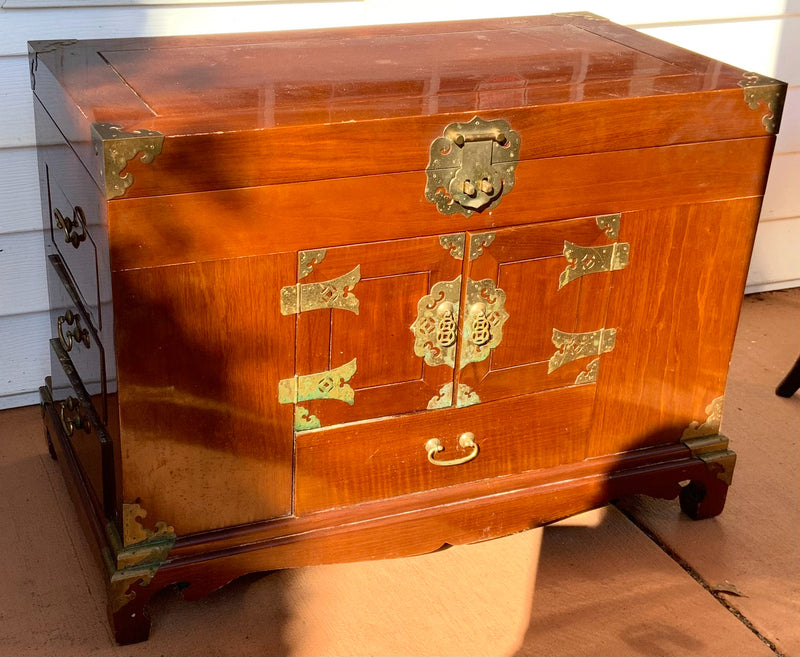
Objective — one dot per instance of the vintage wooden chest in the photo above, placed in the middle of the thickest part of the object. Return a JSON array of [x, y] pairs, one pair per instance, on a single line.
[[355, 294]]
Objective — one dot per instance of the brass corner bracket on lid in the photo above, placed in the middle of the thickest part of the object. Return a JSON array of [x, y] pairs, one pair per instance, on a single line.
[[116, 148], [758, 90]]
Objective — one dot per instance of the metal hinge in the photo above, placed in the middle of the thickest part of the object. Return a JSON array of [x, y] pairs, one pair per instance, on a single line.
[[572, 346], [331, 384], [336, 293], [585, 260]]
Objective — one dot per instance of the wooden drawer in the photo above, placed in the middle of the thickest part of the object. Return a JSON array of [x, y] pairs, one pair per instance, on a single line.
[[76, 227], [83, 429], [71, 326], [386, 458]]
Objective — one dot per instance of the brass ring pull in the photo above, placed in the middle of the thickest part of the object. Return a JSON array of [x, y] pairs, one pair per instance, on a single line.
[[467, 440]]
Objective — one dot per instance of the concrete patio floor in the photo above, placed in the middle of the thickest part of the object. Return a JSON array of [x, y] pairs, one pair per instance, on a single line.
[[635, 578]]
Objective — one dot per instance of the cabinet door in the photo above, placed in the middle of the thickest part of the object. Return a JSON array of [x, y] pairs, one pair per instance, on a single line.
[[534, 306], [367, 342]]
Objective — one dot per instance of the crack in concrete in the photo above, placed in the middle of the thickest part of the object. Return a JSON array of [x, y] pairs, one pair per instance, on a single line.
[[696, 576]]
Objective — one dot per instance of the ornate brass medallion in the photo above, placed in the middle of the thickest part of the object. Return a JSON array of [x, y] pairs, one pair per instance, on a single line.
[[436, 327], [483, 321]]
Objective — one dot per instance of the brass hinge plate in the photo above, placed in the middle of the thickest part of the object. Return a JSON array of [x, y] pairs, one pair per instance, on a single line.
[[583, 260], [336, 293], [331, 384], [572, 346], [117, 148]]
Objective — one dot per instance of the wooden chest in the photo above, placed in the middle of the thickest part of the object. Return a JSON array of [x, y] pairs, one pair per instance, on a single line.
[[354, 294]]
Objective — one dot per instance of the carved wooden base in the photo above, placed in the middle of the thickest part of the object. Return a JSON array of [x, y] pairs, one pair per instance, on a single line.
[[393, 528]]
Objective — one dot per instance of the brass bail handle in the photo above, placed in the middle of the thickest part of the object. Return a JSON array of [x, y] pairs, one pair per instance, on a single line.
[[466, 440], [459, 138]]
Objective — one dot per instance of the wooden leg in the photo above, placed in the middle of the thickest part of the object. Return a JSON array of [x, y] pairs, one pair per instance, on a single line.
[[127, 609], [791, 382], [704, 499]]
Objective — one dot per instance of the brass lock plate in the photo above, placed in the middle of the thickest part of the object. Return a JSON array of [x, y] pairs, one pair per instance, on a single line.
[[472, 166]]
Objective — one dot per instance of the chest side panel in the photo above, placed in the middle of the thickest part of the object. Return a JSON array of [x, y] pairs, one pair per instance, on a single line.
[[200, 350]]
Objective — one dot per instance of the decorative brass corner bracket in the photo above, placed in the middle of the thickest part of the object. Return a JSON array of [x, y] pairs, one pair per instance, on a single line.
[[714, 452], [479, 243], [444, 399], [454, 244], [306, 261], [472, 166], [761, 90], [137, 556], [117, 148], [609, 223], [711, 425]]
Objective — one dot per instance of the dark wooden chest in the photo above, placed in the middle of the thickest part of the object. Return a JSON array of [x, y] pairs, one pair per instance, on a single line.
[[351, 294]]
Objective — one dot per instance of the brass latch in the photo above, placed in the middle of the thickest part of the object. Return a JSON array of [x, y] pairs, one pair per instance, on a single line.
[[336, 293], [472, 165]]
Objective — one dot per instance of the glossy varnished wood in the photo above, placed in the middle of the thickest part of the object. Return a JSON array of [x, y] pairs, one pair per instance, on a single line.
[[218, 125], [678, 316], [355, 210]]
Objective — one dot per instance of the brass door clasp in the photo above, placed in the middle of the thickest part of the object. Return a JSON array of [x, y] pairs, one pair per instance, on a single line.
[[472, 165]]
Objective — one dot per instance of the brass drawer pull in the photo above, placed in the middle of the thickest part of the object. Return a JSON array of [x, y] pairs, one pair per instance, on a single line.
[[467, 440], [79, 334], [70, 226], [72, 417]]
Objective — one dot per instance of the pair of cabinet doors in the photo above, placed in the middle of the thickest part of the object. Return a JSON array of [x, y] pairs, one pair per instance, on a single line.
[[402, 326]]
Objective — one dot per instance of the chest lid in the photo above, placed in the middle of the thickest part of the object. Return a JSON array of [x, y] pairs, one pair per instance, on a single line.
[[194, 113]]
